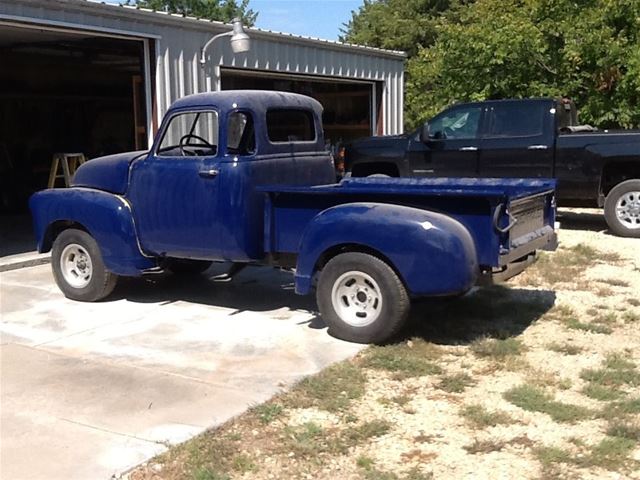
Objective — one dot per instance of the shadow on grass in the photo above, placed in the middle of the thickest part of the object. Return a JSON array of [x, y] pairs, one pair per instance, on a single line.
[[497, 312]]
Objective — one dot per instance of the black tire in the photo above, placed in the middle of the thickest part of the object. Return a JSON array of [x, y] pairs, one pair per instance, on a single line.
[[624, 225], [78, 268], [393, 301], [183, 266]]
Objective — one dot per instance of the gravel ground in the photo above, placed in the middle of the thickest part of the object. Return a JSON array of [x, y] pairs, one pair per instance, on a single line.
[[447, 400]]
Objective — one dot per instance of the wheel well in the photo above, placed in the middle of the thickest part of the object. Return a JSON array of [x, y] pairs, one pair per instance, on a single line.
[[366, 169], [615, 173], [55, 229], [352, 247]]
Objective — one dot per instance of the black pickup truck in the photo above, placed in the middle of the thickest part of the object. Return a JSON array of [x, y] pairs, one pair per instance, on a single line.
[[517, 138]]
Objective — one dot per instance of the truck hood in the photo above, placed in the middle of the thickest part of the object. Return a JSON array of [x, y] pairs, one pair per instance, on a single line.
[[110, 173]]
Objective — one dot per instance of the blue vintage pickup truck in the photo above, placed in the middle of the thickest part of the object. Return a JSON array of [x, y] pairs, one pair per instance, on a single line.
[[244, 177]]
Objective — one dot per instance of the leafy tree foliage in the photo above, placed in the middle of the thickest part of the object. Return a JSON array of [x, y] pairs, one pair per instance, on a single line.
[[588, 50], [222, 10]]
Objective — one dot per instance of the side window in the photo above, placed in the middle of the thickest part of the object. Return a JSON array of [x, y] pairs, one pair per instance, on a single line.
[[516, 120], [241, 137], [457, 123], [288, 125], [192, 134]]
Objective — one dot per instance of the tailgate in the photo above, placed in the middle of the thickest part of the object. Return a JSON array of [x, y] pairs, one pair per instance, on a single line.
[[525, 225]]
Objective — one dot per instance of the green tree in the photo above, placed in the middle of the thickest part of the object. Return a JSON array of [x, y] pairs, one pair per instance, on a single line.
[[222, 10], [406, 25], [588, 50]]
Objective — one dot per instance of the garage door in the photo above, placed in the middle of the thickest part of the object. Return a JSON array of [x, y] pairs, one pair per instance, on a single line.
[[64, 92], [350, 107]]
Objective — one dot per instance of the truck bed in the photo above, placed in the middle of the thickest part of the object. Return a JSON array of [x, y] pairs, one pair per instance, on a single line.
[[478, 204]]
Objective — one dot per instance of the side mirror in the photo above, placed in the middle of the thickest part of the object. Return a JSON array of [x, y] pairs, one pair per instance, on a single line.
[[425, 133]]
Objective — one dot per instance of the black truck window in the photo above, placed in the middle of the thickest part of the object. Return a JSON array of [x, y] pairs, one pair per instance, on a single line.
[[516, 119], [288, 125], [456, 123]]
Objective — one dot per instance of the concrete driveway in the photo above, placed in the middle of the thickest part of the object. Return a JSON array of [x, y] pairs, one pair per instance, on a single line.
[[90, 390]]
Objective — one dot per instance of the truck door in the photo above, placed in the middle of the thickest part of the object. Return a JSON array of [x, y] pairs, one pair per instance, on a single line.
[[452, 149], [174, 191], [518, 140]]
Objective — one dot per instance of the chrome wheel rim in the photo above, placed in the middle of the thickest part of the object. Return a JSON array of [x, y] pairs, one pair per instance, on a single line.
[[76, 266], [628, 210], [356, 298]]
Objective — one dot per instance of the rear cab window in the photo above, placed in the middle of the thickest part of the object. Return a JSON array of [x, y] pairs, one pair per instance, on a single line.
[[290, 125], [516, 119]]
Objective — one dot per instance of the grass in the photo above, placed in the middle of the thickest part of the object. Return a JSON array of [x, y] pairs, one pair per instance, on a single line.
[[404, 361], [372, 473], [607, 383], [478, 416], [534, 399], [332, 390], [565, 348], [614, 282], [633, 301], [485, 446], [567, 265], [602, 393], [630, 317], [575, 324], [267, 412], [497, 349], [455, 383]]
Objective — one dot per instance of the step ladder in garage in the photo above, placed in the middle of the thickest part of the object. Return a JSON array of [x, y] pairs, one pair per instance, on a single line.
[[69, 163]]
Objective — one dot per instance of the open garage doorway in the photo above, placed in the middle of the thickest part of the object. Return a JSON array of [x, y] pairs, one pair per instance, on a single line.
[[63, 92], [351, 108]]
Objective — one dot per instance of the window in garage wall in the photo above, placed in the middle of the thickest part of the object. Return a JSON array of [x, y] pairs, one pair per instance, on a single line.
[[347, 105]]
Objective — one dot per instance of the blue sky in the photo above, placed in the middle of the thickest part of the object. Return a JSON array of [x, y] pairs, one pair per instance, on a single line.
[[314, 18]]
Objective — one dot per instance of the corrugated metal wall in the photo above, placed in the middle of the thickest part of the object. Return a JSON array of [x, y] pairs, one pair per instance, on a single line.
[[178, 42]]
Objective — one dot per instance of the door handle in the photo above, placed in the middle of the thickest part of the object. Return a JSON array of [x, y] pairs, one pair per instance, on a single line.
[[212, 172], [537, 147], [469, 149]]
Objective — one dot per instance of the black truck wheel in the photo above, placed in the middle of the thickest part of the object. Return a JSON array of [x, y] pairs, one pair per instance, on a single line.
[[622, 209], [185, 266], [78, 268], [361, 299]]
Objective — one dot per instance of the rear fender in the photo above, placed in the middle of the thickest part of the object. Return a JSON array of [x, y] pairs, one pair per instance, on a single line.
[[105, 216], [433, 253]]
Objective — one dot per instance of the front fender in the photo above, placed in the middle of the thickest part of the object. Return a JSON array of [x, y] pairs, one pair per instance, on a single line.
[[107, 218], [433, 253]]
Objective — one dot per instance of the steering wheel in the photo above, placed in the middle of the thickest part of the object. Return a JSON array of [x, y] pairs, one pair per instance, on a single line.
[[184, 141]]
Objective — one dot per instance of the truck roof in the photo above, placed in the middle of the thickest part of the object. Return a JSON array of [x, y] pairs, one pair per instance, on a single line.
[[249, 99]]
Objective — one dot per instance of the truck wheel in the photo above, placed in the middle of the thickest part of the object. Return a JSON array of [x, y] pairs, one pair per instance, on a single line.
[[361, 298], [78, 268], [185, 266], [622, 209]]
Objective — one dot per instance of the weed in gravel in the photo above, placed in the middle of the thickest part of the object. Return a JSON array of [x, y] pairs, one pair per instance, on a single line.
[[356, 435], [575, 324], [552, 455], [620, 409], [307, 441], [624, 428], [534, 399], [616, 372], [542, 378], [567, 265], [403, 360], [495, 348], [630, 317], [243, 463], [602, 393], [565, 348], [610, 453], [479, 417], [267, 412], [485, 446], [333, 389], [455, 383], [614, 282], [206, 473], [400, 400], [633, 301], [606, 319]]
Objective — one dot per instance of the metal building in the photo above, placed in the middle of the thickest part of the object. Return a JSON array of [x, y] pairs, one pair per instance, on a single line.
[[82, 76]]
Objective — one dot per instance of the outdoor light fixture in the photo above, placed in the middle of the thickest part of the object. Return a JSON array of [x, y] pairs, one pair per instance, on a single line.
[[240, 41]]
